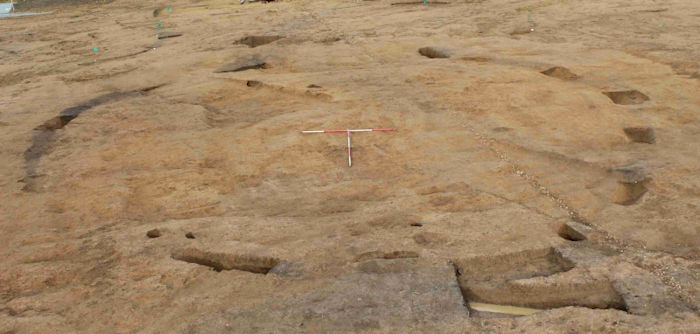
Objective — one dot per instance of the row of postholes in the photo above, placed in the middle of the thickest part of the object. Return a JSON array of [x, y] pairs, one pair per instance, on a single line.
[[474, 289]]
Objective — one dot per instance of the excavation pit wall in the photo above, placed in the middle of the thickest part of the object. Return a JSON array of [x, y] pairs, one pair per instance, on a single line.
[[537, 279]]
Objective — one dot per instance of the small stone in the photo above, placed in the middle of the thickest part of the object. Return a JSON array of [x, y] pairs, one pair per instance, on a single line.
[[313, 86], [154, 233], [189, 235]]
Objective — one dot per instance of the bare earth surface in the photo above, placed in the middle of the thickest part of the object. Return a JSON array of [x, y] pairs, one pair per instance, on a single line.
[[546, 156]]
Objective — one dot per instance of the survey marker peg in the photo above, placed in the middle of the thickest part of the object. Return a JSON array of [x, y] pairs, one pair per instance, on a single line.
[[348, 131]]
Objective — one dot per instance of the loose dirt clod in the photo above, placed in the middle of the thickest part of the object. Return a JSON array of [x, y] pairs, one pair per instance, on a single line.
[[226, 261], [255, 41], [435, 52], [559, 72], [641, 134], [154, 233], [627, 97]]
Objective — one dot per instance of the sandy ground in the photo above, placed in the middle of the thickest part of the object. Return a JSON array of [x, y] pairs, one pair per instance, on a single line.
[[464, 202]]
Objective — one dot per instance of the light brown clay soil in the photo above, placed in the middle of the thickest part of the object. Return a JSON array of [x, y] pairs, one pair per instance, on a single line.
[[194, 127]]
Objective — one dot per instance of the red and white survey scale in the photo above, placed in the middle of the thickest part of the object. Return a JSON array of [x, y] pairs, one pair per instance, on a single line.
[[348, 131]]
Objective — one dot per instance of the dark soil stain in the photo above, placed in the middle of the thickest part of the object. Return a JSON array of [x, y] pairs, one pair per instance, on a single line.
[[640, 134], [243, 64], [165, 35], [435, 52], [255, 41]]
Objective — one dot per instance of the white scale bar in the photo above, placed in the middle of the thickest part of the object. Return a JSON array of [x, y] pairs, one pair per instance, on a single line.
[[348, 131]]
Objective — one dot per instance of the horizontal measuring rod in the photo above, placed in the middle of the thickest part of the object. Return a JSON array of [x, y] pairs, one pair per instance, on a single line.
[[348, 131]]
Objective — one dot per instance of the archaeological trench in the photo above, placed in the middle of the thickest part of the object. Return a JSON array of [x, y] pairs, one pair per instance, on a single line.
[[537, 168]]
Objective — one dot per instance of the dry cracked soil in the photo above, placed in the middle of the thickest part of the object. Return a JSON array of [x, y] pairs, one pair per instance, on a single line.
[[543, 177]]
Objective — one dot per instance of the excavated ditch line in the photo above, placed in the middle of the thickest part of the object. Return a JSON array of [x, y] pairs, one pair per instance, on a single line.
[[44, 134]]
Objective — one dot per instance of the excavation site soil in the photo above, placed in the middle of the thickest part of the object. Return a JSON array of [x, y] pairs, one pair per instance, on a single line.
[[542, 175]]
